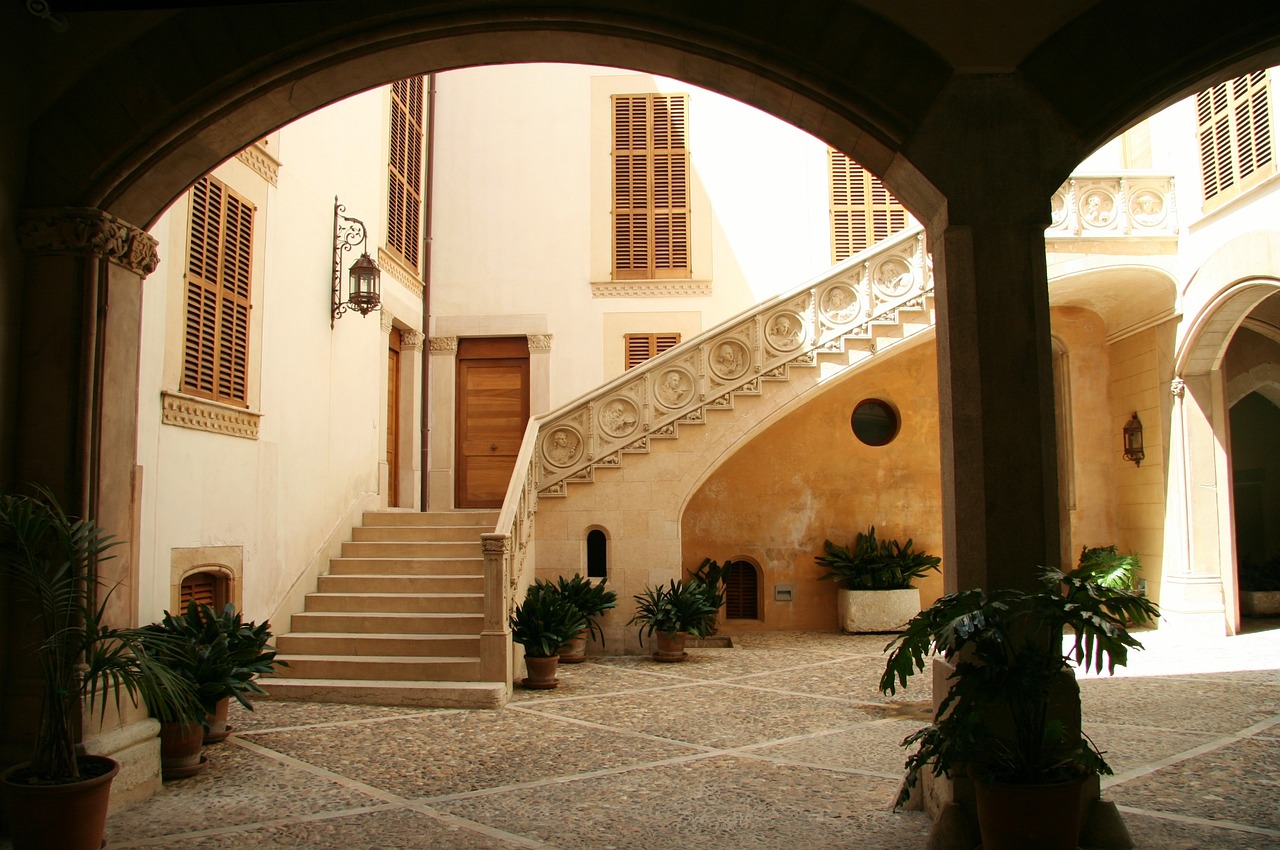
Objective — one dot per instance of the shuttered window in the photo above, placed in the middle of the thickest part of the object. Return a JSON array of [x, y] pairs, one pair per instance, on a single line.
[[640, 347], [741, 591], [205, 589], [215, 362], [404, 170], [1234, 128], [651, 187], [863, 212]]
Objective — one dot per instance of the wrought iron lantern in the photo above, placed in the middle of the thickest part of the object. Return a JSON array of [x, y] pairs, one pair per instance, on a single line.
[[363, 294], [1133, 440]]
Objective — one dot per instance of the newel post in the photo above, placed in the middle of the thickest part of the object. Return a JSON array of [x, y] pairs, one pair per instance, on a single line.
[[495, 639]]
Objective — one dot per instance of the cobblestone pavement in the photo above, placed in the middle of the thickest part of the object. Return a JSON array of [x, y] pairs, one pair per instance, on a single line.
[[779, 742]]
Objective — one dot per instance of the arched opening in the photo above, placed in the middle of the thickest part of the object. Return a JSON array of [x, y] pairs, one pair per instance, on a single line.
[[210, 586], [742, 590], [597, 554]]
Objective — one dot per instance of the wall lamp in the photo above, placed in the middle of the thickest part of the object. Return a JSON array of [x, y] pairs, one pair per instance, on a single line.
[[1133, 440], [362, 293]]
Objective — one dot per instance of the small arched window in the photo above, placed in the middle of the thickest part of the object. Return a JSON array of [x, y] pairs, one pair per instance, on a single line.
[[206, 587], [742, 591], [597, 554]]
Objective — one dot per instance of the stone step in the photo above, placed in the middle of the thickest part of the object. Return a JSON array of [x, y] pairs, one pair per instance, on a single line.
[[418, 534], [482, 520], [366, 622], [401, 584], [406, 566], [408, 694], [395, 668], [373, 644], [448, 549], [397, 603]]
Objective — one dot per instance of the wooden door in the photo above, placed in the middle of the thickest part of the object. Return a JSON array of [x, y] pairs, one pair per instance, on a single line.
[[492, 411], [393, 420]]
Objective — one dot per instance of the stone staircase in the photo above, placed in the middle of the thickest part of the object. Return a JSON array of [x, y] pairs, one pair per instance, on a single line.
[[397, 620]]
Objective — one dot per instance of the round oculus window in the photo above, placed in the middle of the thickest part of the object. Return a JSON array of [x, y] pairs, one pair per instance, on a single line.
[[874, 422]]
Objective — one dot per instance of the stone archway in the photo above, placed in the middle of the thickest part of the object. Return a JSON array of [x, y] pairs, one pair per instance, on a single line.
[[1200, 587]]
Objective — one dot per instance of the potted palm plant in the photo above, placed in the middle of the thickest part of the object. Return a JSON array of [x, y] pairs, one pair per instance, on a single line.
[[59, 798], [712, 576], [997, 724], [592, 599], [541, 624], [875, 579], [673, 612]]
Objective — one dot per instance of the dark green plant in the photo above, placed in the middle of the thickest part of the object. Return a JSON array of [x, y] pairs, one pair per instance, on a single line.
[[676, 607], [712, 576], [591, 598], [545, 620], [1008, 650], [217, 652], [871, 564], [1109, 567], [53, 559]]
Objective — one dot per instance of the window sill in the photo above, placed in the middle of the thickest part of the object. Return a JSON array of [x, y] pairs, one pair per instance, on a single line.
[[200, 414], [649, 288]]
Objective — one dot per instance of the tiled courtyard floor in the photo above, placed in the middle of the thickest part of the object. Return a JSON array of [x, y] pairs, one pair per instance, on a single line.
[[780, 742]]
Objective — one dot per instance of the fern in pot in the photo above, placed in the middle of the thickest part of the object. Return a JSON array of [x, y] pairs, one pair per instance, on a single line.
[[540, 624], [592, 598]]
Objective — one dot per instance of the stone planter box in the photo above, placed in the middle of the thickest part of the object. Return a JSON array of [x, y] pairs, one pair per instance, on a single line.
[[1260, 603], [869, 611]]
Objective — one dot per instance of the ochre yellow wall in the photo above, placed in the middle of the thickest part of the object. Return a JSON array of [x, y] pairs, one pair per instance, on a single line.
[[807, 478]]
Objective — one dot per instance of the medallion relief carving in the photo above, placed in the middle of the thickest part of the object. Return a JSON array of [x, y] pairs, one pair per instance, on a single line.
[[619, 417], [785, 330], [674, 388], [562, 446], [730, 359]]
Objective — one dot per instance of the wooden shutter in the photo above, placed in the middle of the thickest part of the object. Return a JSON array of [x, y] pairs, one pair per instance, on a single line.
[[641, 347], [1235, 135], [651, 187], [404, 169], [206, 589], [219, 288], [863, 211], [741, 592]]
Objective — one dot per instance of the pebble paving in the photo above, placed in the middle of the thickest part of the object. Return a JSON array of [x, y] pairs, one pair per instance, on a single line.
[[781, 741]]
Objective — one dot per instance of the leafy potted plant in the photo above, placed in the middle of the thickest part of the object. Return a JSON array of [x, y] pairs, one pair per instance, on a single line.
[[712, 577], [1110, 567], [875, 580], [59, 799], [540, 624], [592, 599], [673, 612], [997, 723]]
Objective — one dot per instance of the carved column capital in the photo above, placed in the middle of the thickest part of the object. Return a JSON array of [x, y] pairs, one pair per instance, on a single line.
[[444, 345], [539, 342], [388, 320], [85, 231], [410, 340], [1178, 387]]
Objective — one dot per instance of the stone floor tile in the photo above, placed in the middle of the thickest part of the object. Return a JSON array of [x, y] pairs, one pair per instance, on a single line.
[[593, 677], [873, 746], [450, 753], [1237, 783], [273, 714], [237, 787], [1179, 702], [721, 803], [854, 678], [712, 715], [1154, 833], [400, 829]]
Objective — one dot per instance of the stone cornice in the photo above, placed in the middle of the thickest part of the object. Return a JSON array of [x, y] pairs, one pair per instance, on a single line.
[[267, 166], [649, 288], [85, 231], [394, 266]]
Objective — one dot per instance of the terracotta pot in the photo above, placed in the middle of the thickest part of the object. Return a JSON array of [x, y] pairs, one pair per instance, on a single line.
[[542, 672], [670, 646], [71, 816], [216, 729], [574, 650], [1016, 817], [180, 749]]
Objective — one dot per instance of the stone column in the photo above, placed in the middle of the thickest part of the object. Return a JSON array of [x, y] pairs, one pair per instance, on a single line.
[[410, 417], [444, 376], [76, 428]]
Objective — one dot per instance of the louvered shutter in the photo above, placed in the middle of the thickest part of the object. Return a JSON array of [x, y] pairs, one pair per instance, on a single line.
[[641, 347], [863, 211], [741, 592], [650, 187], [404, 169], [205, 589], [1235, 135], [218, 289]]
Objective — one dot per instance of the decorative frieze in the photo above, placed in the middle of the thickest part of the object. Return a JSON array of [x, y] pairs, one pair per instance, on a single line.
[[394, 266], [267, 166], [1110, 206], [444, 345], [649, 288], [203, 415], [88, 232]]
